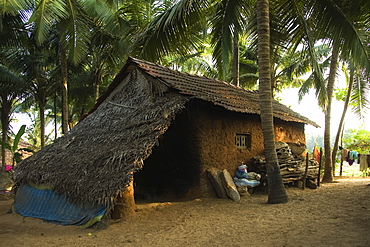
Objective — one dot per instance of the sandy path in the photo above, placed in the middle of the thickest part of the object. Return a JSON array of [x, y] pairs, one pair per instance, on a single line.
[[336, 214]]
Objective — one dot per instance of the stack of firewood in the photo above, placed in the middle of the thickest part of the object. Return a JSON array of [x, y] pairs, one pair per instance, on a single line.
[[292, 162]]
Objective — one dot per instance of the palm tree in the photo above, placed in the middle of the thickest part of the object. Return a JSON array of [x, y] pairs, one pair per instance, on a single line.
[[194, 63], [335, 22], [341, 122], [354, 97], [12, 86], [70, 20], [328, 172], [104, 60], [106, 49], [99, 31], [37, 64], [360, 104], [276, 190], [345, 33]]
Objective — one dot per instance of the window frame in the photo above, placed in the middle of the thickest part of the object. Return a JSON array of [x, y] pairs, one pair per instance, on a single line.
[[243, 141]]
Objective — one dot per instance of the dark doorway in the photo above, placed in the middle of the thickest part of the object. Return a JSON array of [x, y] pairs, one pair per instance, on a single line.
[[172, 170]]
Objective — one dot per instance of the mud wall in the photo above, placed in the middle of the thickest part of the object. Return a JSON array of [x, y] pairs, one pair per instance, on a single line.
[[289, 131], [203, 135], [217, 129]]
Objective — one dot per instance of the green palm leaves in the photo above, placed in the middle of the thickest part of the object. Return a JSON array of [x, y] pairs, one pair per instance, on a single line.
[[175, 30]]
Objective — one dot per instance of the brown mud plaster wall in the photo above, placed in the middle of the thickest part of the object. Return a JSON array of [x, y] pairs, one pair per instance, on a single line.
[[202, 135], [217, 129], [289, 131]]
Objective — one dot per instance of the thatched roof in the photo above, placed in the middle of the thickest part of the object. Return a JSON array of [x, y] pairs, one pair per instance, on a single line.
[[96, 158], [220, 93]]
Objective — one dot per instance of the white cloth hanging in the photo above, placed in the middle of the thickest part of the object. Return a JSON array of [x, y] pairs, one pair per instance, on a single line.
[[363, 162]]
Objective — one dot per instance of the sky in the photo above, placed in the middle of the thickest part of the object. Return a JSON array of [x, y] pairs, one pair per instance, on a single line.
[[309, 108]]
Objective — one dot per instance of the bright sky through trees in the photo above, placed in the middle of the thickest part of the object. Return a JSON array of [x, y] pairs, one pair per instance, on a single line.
[[309, 108]]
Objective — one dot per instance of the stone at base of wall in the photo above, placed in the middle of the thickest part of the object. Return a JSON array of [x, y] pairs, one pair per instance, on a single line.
[[230, 186], [214, 176]]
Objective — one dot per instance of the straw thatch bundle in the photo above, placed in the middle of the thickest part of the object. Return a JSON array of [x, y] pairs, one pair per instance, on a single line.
[[97, 158]]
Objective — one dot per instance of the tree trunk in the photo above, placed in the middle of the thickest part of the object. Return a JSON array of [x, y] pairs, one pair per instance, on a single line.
[[42, 124], [63, 65], [340, 127], [328, 173], [5, 112], [125, 204], [236, 61], [276, 190], [55, 118], [97, 82]]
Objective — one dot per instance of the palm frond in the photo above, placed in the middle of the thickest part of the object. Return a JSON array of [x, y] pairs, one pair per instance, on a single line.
[[8, 77], [360, 103], [74, 32], [175, 30], [343, 25], [11, 30], [12, 84], [227, 24], [45, 16], [13, 7]]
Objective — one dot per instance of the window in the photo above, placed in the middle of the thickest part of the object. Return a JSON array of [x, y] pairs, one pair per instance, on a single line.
[[243, 141]]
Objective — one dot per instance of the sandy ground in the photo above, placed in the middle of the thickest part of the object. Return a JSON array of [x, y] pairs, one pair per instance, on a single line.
[[336, 214]]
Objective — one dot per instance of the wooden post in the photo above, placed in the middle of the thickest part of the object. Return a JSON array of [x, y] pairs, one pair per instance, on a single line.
[[341, 158], [318, 175], [305, 173], [125, 205]]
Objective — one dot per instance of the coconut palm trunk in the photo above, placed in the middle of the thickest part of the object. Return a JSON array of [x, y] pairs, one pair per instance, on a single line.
[[97, 82], [276, 190], [42, 124], [63, 61], [340, 127], [328, 173], [5, 112], [236, 60]]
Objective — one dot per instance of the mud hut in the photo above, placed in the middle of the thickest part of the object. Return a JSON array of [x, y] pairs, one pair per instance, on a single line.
[[161, 127]]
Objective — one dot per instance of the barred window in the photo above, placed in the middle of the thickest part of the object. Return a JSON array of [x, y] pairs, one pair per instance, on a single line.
[[243, 141]]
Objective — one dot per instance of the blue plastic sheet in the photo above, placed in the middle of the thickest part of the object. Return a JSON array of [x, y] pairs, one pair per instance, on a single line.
[[47, 205]]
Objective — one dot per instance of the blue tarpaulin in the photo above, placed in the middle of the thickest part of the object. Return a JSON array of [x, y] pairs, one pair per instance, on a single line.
[[47, 205]]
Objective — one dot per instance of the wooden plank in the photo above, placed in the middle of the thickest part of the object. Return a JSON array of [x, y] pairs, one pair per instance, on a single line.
[[305, 173]]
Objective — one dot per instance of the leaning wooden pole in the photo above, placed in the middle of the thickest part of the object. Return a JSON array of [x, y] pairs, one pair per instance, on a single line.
[[319, 174], [341, 158]]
